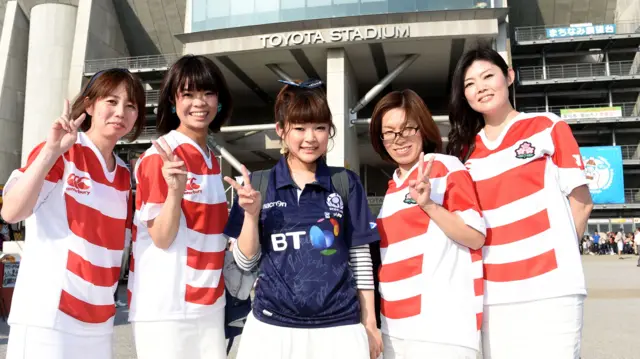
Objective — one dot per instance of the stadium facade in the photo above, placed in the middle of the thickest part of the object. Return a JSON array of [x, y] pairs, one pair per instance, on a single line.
[[361, 48]]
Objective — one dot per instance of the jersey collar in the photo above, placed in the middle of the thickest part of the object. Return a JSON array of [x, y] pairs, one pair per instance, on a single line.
[[283, 176]]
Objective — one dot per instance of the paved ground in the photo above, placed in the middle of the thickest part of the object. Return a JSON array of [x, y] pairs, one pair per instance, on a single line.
[[611, 320]]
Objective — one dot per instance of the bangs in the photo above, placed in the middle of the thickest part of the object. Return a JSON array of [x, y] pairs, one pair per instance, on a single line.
[[107, 84], [194, 75], [304, 107]]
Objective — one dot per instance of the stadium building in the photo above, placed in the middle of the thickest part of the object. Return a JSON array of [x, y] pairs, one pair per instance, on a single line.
[[361, 49]]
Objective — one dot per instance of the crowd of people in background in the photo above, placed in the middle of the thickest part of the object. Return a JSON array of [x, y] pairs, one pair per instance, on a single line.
[[611, 243]]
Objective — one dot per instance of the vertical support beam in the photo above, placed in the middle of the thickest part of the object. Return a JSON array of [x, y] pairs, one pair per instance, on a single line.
[[546, 102], [613, 137], [342, 95], [513, 90], [610, 97], [501, 43], [607, 68], [544, 65]]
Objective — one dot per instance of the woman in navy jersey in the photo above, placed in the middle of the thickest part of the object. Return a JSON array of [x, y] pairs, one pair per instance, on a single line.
[[530, 181], [314, 297]]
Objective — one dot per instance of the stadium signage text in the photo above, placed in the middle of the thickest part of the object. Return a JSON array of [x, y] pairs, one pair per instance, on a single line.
[[335, 35]]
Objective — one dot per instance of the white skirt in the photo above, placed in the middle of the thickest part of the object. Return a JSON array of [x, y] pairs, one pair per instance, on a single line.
[[396, 348], [200, 338], [266, 341], [549, 328], [28, 342]]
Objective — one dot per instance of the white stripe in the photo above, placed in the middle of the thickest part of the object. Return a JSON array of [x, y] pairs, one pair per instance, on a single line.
[[571, 178], [87, 292], [516, 210], [98, 256], [477, 271], [202, 278], [147, 212], [500, 162], [520, 250], [478, 303], [402, 289], [206, 242], [211, 190], [406, 249], [473, 219], [394, 202]]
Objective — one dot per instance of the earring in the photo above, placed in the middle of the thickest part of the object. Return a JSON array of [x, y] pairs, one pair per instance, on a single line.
[[173, 109], [219, 107], [284, 149]]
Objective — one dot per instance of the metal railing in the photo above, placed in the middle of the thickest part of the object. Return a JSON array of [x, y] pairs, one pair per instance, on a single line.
[[629, 109], [632, 195], [585, 70], [539, 33], [153, 97], [630, 152], [155, 62]]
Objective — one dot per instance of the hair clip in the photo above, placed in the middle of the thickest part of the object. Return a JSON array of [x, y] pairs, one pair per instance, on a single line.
[[309, 84], [219, 107]]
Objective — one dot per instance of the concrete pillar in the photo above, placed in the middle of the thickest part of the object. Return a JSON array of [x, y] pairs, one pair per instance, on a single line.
[[14, 44], [51, 35], [501, 43], [342, 96], [607, 68], [610, 97], [544, 66], [546, 102]]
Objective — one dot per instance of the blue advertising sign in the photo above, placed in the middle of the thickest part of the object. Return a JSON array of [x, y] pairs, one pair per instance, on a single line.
[[581, 30], [603, 169]]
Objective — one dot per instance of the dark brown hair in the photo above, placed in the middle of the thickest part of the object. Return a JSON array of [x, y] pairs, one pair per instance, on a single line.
[[192, 73], [102, 84], [295, 105], [414, 109]]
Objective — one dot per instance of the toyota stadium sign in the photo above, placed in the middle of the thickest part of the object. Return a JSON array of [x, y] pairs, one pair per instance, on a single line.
[[335, 35]]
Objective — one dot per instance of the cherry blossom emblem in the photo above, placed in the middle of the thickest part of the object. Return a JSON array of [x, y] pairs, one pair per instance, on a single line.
[[525, 151]]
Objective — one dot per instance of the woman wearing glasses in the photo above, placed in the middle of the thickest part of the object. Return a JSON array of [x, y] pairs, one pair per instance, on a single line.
[[431, 232], [75, 194], [310, 302]]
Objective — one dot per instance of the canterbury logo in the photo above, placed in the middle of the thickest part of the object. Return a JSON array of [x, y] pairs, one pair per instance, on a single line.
[[78, 184], [192, 187]]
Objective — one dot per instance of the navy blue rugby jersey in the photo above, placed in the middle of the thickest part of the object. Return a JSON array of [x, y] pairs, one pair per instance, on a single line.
[[305, 280]]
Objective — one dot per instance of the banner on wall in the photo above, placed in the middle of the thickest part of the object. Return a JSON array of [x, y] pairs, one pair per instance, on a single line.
[[595, 112], [581, 30], [603, 169]]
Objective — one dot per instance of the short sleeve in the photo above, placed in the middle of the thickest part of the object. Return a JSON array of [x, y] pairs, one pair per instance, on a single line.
[[361, 225], [461, 198], [567, 158], [53, 178], [151, 188]]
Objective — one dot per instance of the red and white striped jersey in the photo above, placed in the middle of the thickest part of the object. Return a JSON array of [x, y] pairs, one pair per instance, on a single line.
[[74, 242], [184, 281], [523, 179], [431, 286]]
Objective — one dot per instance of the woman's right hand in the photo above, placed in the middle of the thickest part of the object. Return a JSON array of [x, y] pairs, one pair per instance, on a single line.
[[173, 169], [249, 199], [64, 131]]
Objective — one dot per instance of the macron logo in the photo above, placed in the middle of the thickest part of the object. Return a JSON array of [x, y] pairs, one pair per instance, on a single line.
[[80, 185]]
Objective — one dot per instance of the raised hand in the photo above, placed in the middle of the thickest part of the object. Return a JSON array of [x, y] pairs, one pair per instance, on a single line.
[[420, 188], [249, 199], [173, 168], [64, 131]]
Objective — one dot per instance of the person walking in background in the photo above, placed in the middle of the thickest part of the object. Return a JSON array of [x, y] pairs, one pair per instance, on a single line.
[[175, 277], [75, 194], [432, 232], [533, 192], [636, 240]]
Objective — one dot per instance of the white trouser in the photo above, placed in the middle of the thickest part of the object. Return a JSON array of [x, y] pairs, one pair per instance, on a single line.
[[396, 348], [200, 338], [28, 342], [266, 341], [549, 328]]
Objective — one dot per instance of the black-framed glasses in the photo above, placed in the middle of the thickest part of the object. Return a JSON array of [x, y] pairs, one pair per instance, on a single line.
[[99, 73], [309, 84], [392, 135]]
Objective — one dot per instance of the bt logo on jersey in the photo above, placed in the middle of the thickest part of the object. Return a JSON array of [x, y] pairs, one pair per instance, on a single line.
[[321, 239], [80, 185], [279, 240]]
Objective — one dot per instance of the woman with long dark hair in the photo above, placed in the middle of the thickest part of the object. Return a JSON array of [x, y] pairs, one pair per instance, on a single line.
[[530, 182]]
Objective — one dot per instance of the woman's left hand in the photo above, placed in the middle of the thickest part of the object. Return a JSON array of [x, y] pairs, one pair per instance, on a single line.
[[375, 341], [420, 188]]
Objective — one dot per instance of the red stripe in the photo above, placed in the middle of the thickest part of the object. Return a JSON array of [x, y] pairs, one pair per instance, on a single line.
[[152, 187], [205, 218], [85, 312], [438, 170], [479, 321], [460, 194], [134, 232], [478, 286], [401, 270], [512, 185], [93, 226], [205, 260], [129, 295], [520, 270], [567, 152], [99, 276], [86, 160], [195, 162], [204, 296], [132, 263], [519, 230], [520, 130], [413, 221], [476, 254], [399, 309], [55, 173]]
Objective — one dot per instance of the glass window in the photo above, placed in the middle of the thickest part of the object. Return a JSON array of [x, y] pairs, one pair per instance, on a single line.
[[239, 7], [218, 8], [198, 10]]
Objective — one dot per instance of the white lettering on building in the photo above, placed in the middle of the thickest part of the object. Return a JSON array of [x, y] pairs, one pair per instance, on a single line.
[[336, 35]]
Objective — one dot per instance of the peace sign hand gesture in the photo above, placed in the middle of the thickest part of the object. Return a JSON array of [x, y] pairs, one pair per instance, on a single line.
[[64, 131], [249, 199], [173, 168], [420, 188]]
